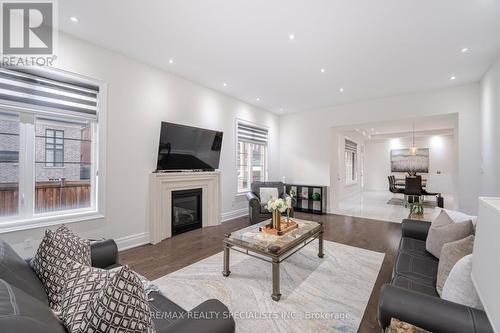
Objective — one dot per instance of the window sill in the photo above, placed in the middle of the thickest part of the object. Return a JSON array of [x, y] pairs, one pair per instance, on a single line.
[[47, 221]]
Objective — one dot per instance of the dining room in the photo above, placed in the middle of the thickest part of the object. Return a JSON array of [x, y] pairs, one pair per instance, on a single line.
[[395, 169]]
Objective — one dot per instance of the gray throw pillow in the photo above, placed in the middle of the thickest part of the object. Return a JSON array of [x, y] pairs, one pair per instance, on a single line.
[[459, 288], [443, 230], [450, 254]]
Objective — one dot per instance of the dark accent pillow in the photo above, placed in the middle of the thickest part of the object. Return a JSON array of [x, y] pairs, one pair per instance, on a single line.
[[51, 258], [81, 285], [120, 306]]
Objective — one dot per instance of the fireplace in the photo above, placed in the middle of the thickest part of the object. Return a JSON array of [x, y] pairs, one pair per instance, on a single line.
[[186, 210]]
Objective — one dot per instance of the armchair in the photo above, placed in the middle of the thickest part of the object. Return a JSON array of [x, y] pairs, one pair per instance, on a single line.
[[256, 209]]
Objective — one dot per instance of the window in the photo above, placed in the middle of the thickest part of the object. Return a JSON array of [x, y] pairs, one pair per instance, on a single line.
[[251, 155], [54, 148], [48, 148], [351, 161]]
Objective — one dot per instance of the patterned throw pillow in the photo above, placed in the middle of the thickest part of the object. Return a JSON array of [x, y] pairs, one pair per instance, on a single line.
[[121, 306], [51, 257], [82, 284]]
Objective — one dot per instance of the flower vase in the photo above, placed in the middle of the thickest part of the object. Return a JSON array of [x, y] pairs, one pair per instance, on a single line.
[[276, 219]]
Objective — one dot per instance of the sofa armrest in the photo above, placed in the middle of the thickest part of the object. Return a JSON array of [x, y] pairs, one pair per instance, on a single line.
[[253, 199], [210, 316], [430, 313], [104, 253], [415, 229]]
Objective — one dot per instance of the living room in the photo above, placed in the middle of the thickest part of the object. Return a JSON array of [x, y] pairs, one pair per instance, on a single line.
[[259, 92]]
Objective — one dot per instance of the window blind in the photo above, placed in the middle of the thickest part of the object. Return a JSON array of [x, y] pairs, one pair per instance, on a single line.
[[252, 134], [351, 145], [31, 90]]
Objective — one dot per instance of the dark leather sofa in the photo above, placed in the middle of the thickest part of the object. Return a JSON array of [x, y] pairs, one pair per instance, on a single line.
[[256, 209], [24, 305], [412, 297]]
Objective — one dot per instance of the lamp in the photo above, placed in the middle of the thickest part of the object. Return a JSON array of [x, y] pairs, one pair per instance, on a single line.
[[485, 268]]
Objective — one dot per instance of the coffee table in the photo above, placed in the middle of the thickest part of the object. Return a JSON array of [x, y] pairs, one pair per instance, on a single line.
[[272, 248]]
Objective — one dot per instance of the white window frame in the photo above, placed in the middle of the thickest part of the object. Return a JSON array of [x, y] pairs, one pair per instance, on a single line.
[[26, 218], [351, 181], [249, 157]]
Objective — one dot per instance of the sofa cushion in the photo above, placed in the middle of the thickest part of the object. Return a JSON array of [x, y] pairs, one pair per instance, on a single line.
[[120, 306], [20, 312], [407, 283], [15, 271], [414, 247], [459, 288], [450, 254], [163, 311], [82, 284], [444, 230], [418, 269], [51, 258]]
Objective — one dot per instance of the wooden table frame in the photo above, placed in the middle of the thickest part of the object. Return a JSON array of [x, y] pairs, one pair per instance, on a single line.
[[274, 259]]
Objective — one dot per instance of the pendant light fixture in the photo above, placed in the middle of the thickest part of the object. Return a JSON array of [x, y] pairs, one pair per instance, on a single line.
[[413, 149]]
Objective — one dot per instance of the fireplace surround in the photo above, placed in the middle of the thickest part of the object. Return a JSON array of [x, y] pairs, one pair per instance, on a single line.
[[160, 200]]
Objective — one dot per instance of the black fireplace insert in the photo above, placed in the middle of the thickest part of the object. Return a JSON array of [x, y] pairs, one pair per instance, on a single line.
[[186, 210]]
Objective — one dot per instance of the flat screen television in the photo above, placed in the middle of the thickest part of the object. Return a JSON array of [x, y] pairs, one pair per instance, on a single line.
[[188, 148]]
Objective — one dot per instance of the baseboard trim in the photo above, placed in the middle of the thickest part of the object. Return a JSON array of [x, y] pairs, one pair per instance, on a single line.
[[234, 214], [128, 242]]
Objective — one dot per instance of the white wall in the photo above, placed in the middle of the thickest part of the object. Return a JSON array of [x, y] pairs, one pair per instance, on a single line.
[[378, 161], [139, 98], [490, 129], [307, 154]]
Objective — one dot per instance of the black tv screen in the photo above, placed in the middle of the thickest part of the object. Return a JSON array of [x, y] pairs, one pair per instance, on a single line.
[[188, 148]]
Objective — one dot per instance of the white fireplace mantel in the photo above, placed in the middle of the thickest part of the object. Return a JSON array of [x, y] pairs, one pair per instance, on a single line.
[[161, 187]]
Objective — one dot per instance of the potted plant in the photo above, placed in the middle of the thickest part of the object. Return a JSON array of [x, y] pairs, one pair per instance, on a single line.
[[416, 209]]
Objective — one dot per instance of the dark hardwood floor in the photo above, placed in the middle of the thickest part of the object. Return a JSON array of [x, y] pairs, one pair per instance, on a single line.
[[154, 261]]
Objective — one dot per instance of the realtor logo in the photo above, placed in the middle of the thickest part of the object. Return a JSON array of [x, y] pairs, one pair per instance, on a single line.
[[29, 32], [27, 28]]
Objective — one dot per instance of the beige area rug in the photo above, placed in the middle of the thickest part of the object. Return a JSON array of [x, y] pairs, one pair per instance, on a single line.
[[318, 295]]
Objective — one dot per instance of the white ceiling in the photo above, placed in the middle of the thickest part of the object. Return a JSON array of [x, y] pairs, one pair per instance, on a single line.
[[403, 128], [370, 48]]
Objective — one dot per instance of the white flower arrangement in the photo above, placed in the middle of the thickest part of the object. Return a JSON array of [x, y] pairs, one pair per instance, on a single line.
[[279, 204]]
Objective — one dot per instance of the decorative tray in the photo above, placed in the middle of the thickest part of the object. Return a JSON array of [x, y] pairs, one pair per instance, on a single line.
[[286, 227]]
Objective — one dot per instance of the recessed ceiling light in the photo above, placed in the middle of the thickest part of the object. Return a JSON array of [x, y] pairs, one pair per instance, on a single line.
[[257, 99], [224, 84], [74, 19], [341, 89], [364, 133], [291, 36], [464, 49], [170, 61], [322, 70], [452, 78], [281, 109]]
